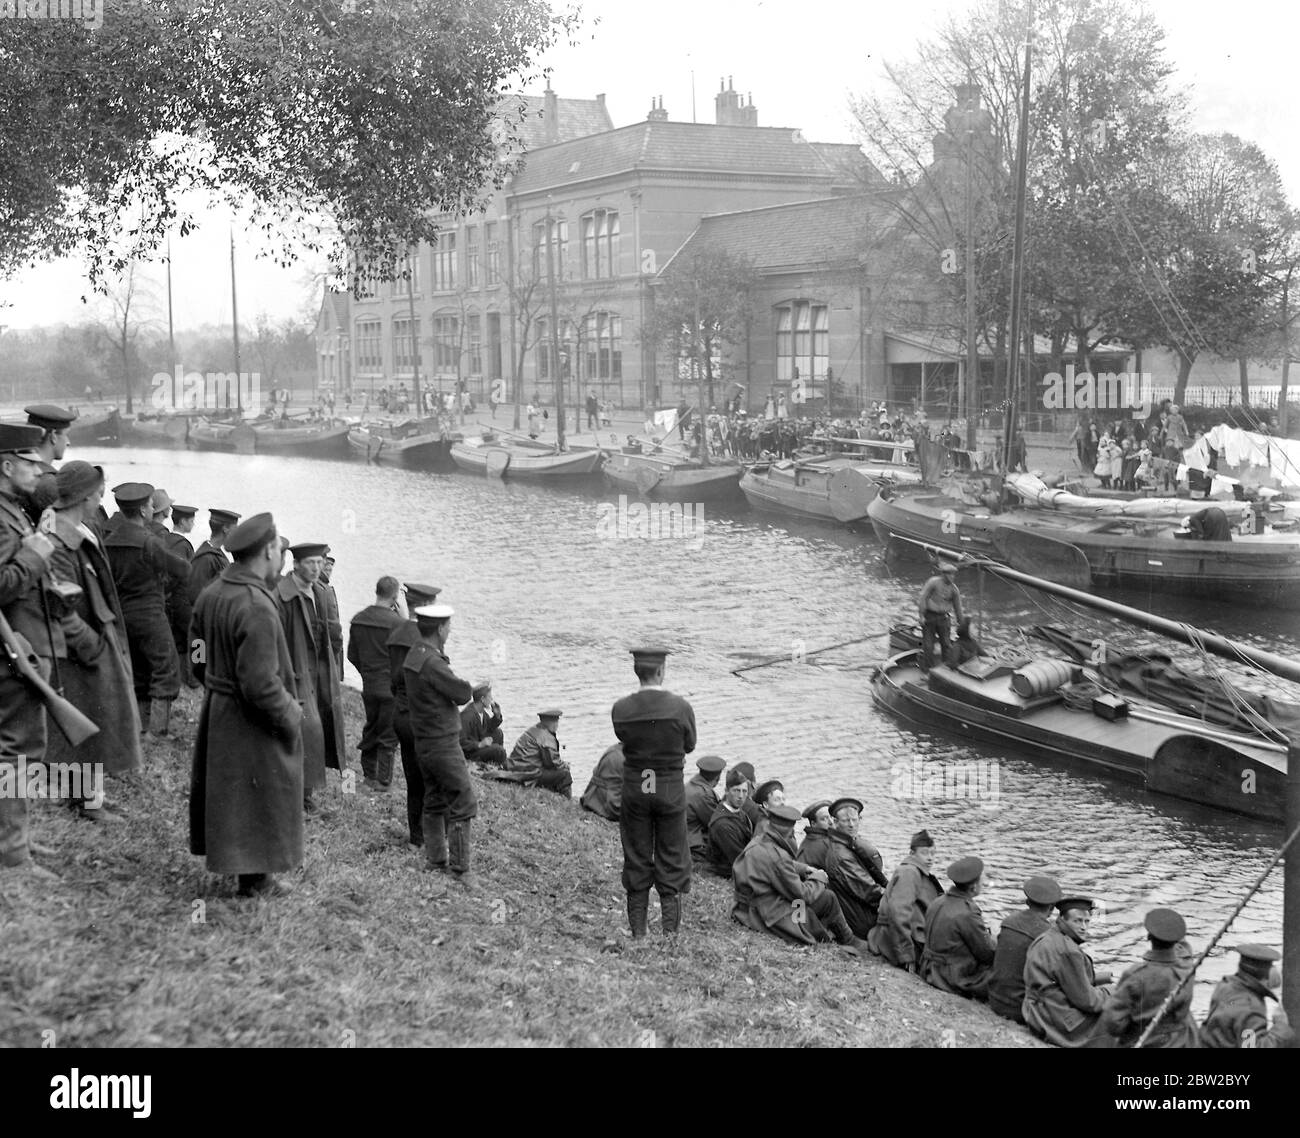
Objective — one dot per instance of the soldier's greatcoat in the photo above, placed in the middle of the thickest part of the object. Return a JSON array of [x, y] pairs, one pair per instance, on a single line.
[[773, 891], [1062, 1002], [316, 682], [1140, 993], [1237, 1017], [246, 786], [900, 926], [208, 563], [1007, 981], [604, 793], [701, 802], [958, 947]]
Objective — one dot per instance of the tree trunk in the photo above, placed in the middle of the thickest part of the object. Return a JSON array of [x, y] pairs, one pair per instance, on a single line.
[[1243, 375], [1184, 372], [1281, 394]]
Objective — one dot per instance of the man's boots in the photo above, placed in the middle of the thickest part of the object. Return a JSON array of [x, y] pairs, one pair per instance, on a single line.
[[160, 711], [670, 911], [435, 843], [838, 927], [458, 841], [638, 906]]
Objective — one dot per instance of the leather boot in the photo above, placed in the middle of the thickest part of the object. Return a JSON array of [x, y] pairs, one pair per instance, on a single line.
[[160, 711], [670, 912], [435, 843], [638, 906], [458, 843], [838, 927]]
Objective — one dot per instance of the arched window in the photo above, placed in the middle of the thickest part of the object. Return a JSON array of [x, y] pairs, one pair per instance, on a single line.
[[802, 340]]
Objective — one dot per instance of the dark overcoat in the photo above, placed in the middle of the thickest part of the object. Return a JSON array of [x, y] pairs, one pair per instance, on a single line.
[[309, 650], [246, 786]]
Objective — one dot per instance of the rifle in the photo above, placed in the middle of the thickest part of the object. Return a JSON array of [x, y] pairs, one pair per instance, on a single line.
[[75, 726]]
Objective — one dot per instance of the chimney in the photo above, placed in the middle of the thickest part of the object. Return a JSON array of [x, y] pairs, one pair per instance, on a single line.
[[657, 114], [727, 106], [749, 112], [551, 116]]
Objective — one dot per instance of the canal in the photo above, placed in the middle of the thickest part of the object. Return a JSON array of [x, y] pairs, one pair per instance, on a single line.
[[551, 586]]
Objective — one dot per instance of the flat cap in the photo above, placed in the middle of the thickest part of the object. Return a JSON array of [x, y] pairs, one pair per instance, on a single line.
[[160, 500], [947, 566], [764, 790], [49, 416], [1042, 890], [132, 493], [810, 812], [223, 517], [747, 769], [835, 806], [179, 511], [421, 594], [74, 481], [305, 549], [965, 870], [21, 439], [433, 612], [921, 838], [256, 532], [783, 815], [1074, 901], [649, 654], [1165, 924], [550, 713], [481, 687], [711, 764]]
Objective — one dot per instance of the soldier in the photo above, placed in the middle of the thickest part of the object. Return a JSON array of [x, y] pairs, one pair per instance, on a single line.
[[480, 728], [96, 667], [54, 422], [853, 867], [1143, 989], [179, 605], [1238, 1015], [141, 564], [657, 730], [701, 802], [400, 641], [210, 559], [604, 793], [24, 566], [816, 834], [1018, 932], [899, 935], [959, 950], [1064, 995], [332, 623], [435, 694], [767, 795], [246, 784], [367, 650], [535, 758], [730, 828]]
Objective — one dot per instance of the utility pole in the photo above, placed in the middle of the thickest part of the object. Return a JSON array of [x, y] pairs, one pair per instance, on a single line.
[[968, 392], [171, 336], [234, 319], [415, 336], [552, 235]]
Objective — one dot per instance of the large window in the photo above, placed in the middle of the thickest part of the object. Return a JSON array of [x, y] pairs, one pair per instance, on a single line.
[[444, 262], [472, 256], [494, 345], [546, 350], [600, 243], [475, 328], [602, 336], [406, 343], [560, 244], [802, 340], [369, 346], [492, 245], [446, 344], [408, 280]]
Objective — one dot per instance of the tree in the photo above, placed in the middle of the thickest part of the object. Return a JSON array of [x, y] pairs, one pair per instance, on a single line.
[[342, 124], [130, 305]]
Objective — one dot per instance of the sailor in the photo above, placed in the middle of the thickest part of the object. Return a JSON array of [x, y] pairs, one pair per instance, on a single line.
[[1143, 989], [480, 728], [657, 730], [53, 422], [815, 847], [400, 641], [1064, 994], [535, 758], [940, 601], [1238, 1015], [730, 828], [179, 605], [701, 802], [751, 808], [959, 950], [604, 793], [899, 935], [333, 625], [768, 795], [367, 650], [1018, 932], [210, 558], [854, 867]]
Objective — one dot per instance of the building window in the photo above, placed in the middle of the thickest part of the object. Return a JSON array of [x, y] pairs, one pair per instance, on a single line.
[[600, 242], [494, 345], [406, 343], [471, 256], [602, 342], [493, 246], [369, 346], [560, 244], [408, 280], [444, 262], [546, 350], [802, 340], [446, 344], [475, 345]]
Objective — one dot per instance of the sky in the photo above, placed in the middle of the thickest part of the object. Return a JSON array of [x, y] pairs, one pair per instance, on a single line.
[[800, 62]]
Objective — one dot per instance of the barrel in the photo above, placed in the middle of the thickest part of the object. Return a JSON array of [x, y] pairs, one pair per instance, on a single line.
[[1042, 677]]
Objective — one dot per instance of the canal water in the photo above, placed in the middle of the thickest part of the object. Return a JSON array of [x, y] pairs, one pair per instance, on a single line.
[[552, 585]]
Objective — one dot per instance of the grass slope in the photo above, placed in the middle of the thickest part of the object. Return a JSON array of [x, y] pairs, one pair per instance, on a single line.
[[139, 946]]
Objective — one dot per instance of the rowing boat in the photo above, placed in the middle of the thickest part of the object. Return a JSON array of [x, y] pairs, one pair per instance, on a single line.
[[525, 459]]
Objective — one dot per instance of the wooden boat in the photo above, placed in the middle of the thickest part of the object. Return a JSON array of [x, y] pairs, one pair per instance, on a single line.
[[668, 478], [208, 435], [321, 440], [165, 431], [1160, 750], [420, 443], [520, 458], [104, 428], [825, 487], [1135, 552]]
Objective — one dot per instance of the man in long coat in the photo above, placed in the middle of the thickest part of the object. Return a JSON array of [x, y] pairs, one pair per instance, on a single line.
[[1063, 1001], [701, 802], [367, 650], [853, 867], [179, 605], [1019, 930], [400, 641], [604, 793], [246, 785], [535, 758], [899, 935], [1238, 1014], [1143, 989], [96, 668], [959, 950]]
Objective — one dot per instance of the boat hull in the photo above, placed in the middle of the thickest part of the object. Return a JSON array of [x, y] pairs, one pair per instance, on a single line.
[[523, 463], [236, 438], [317, 442], [419, 452], [829, 488], [665, 480], [160, 433]]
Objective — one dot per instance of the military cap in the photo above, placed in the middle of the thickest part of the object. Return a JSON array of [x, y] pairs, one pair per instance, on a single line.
[[433, 612], [1165, 924], [422, 594], [811, 812], [179, 511], [256, 532], [480, 688], [735, 777], [132, 493], [783, 815], [747, 769], [329, 560], [74, 481], [305, 549], [965, 870], [284, 544], [711, 764], [223, 517], [550, 713], [947, 566], [764, 790], [1257, 960], [21, 439], [921, 838], [1074, 901], [1042, 890], [835, 806], [649, 654], [49, 417]]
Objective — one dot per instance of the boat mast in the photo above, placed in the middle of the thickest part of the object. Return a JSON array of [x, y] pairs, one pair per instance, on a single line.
[[701, 422], [171, 336], [551, 237], [234, 320], [968, 392], [1018, 257], [415, 338]]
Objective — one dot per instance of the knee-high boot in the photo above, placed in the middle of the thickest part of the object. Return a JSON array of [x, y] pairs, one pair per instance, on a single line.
[[638, 906], [435, 843], [670, 911], [458, 840]]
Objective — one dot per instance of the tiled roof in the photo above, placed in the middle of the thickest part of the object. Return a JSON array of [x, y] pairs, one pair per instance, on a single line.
[[827, 231], [677, 146], [575, 118]]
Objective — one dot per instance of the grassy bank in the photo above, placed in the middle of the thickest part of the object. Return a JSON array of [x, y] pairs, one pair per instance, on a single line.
[[139, 946]]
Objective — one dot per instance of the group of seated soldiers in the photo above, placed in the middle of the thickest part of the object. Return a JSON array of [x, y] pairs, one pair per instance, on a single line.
[[833, 886]]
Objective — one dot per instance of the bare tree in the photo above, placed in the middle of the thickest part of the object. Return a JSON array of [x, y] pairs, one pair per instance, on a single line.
[[131, 310]]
